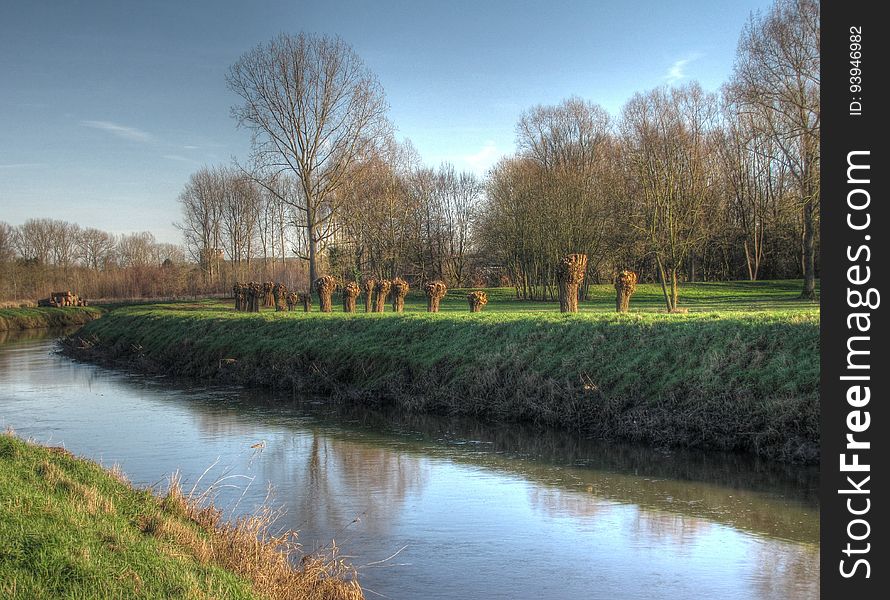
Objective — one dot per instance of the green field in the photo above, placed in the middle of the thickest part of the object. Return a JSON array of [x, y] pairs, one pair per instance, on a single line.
[[71, 529], [739, 372]]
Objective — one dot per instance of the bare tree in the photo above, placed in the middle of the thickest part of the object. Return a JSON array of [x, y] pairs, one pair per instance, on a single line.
[[137, 250], [755, 182], [7, 242], [314, 109], [667, 135], [95, 248], [777, 77], [202, 207], [240, 216], [458, 195], [64, 242], [34, 240]]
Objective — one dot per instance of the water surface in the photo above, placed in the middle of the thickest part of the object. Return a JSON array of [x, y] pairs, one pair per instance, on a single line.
[[469, 510]]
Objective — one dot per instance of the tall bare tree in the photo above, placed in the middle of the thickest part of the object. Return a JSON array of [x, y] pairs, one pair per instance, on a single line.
[[202, 212], [459, 196], [95, 248], [777, 77], [667, 135], [34, 240], [7, 242], [314, 109]]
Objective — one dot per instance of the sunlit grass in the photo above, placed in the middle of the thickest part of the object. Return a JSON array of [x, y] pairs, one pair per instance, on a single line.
[[744, 377]]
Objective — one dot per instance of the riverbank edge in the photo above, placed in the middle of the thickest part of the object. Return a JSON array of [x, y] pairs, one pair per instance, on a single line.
[[740, 384], [73, 527], [18, 319]]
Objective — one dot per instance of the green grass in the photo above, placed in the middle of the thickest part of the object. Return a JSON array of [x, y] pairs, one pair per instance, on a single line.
[[732, 296], [12, 319], [739, 372], [70, 529]]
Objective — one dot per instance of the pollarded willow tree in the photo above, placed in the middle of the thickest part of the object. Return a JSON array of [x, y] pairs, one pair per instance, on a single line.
[[314, 109], [777, 78]]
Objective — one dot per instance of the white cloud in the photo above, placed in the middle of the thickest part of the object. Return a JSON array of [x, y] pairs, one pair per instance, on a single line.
[[121, 131], [178, 157], [678, 69]]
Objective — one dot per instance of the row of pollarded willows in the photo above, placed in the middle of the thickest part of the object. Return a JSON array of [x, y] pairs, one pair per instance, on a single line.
[[570, 275], [250, 297], [376, 292]]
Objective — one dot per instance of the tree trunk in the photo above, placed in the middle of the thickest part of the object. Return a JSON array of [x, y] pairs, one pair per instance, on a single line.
[[809, 252], [625, 286], [350, 292], [382, 291], [662, 280], [369, 285], [325, 287], [675, 289], [570, 274]]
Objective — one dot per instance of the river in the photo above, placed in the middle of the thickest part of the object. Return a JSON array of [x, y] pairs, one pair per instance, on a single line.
[[434, 507]]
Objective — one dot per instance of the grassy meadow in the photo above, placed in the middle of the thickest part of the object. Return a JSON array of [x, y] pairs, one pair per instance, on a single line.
[[740, 371], [72, 529]]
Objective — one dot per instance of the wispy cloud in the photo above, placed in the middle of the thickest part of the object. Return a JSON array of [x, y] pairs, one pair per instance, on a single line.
[[178, 158], [121, 131], [484, 159], [22, 165], [678, 69]]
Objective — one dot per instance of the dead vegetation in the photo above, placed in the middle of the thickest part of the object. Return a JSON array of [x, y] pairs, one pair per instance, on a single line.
[[273, 562]]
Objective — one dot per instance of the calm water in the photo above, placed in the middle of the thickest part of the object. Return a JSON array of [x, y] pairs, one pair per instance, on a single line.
[[469, 510]]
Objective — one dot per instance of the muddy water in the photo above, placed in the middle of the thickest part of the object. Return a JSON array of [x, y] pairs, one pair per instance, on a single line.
[[467, 510]]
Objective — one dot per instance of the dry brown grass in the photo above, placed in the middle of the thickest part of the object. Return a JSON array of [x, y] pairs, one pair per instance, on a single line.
[[273, 562], [18, 304]]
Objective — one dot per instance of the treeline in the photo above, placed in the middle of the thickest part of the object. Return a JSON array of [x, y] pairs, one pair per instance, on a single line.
[[45, 255], [681, 185], [392, 218]]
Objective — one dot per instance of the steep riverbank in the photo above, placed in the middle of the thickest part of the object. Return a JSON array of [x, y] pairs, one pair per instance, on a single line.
[[73, 529], [15, 319], [741, 382]]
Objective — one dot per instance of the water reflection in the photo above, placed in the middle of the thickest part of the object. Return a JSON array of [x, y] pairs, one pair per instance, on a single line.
[[483, 511], [768, 499]]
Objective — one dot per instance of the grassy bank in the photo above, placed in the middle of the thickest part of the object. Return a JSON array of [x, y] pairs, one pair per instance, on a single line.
[[72, 529], [13, 319], [729, 380]]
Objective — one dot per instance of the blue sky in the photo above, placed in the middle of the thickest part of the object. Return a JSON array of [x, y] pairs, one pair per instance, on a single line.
[[107, 107]]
